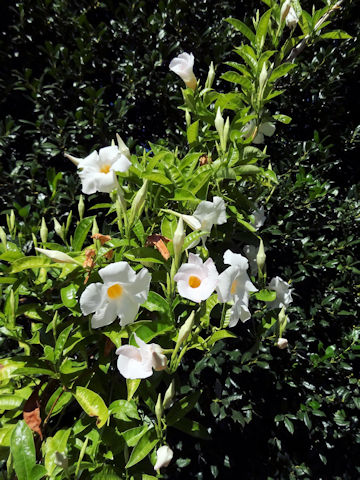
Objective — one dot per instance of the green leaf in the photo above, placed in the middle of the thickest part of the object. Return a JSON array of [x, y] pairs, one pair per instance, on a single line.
[[262, 30], [149, 330], [132, 384], [191, 238], [146, 443], [241, 27], [25, 263], [60, 342], [281, 70], [245, 170], [29, 371], [156, 303], [23, 451], [181, 408], [133, 435], [144, 254], [92, 404], [158, 178], [54, 444], [193, 428], [5, 434], [336, 35], [282, 118], [235, 77], [219, 335], [192, 132], [124, 410], [9, 401], [289, 425], [183, 195], [81, 233], [266, 295], [37, 472], [207, 308], [68, 295]]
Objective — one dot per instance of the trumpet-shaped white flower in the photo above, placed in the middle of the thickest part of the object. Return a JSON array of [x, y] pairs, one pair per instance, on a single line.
[[97, 170], [266, 128], [183, 66], [234, 286], [196, 280], [121, 295], [283, 293], [206, 215], [164, 456], [289, 15], [139, 362]]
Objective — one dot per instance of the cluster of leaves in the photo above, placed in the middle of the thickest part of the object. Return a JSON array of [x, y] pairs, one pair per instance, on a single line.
[[70, 363]]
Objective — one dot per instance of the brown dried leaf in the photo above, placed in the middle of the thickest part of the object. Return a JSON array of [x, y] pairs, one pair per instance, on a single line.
[[89, 255], [31, 413], [103, 238], [108, 347], [158, 242]]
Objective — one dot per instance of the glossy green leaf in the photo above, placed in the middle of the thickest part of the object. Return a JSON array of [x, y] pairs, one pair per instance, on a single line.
[[81, 233], [132, 384], [23, 451], [158, 178], [156, 303], [193, 428], [220, 335], [235, 77], [336, 35], [9, 401], [146, 443], [281, 70], [92, 404], [68, 295], [241, 27], [54, 444], [124, 410], [133, 435], [61, 340], [25, 263], [191, 238], [282, 118], [144, 254], [262, 30], [192, 132], [266, 295]]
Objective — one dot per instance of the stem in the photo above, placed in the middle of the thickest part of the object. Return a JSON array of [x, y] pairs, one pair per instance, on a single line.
[[300, 46]]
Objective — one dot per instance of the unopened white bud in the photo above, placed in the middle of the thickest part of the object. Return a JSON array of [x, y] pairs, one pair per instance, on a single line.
[[57, 256], [210, 77], [59, 229], [164, 456], [261, 256], [43, 231], [123, 149], [179, 237], [282, 343], [81, 207], [185, 329], [138, 203], [169, 395]]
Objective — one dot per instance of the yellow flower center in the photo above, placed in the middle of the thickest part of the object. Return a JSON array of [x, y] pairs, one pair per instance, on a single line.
[[115, 291], [105, 169], [233, 287], [194, 281]]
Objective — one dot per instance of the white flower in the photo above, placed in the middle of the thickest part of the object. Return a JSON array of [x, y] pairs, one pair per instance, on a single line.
[[283, 293], [282, 343], [196, 280], [266, 128], [138, 362], [259, 218], [234, 286], [97, 172], [164, 456], [288, 14], [121, 295], [183, 66], [205, 216]]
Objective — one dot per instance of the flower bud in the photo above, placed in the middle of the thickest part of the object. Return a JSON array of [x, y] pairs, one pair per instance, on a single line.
[[169, 395], [261, 257], [43, 231], [74, 160], [95, 228], [185, 330], [187, 118], [68, 222], [11, 221], [164, 456], [179, 237], [57, 256], [263, 77], [123, 149], [282, 317], [34, 239], [159, 409], [183, 65], [81, 207], [285, 10], [3, 237], [211, 76], [219, 123], [138, 203], [59, 229], [282, 343]]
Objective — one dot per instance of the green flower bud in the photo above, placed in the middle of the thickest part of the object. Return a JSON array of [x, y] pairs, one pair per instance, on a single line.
[[211, 76], [95, 228], [81, 207], [159, 409], [3, 237], [43, 231], [179, 237], [138, 203], [169, 395], [59, 229], [261, 257], [185, 330]]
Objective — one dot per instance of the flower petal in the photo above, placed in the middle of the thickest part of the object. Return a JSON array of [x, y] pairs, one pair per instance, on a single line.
[[130, 363], [92, 298], [118, 272], [231, 258], [122, 164], [128, 308], [104, 315], [225, 282]]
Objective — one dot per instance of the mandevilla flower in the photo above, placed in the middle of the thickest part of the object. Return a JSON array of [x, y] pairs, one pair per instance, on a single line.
[[205, 216], [259, 218], [234, 286], [266, 128], [121, 295], [289, 15], [283, 293], [97, 170], [139, 362], [164, 456], [183, 65], [196, 280]]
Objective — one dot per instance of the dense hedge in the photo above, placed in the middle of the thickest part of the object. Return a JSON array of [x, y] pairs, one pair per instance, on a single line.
[[71, 80]]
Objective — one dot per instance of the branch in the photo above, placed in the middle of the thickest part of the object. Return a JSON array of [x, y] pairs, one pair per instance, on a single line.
[[300, 46]]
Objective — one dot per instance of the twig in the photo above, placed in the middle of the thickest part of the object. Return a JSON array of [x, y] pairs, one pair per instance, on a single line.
[[300, 46]]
